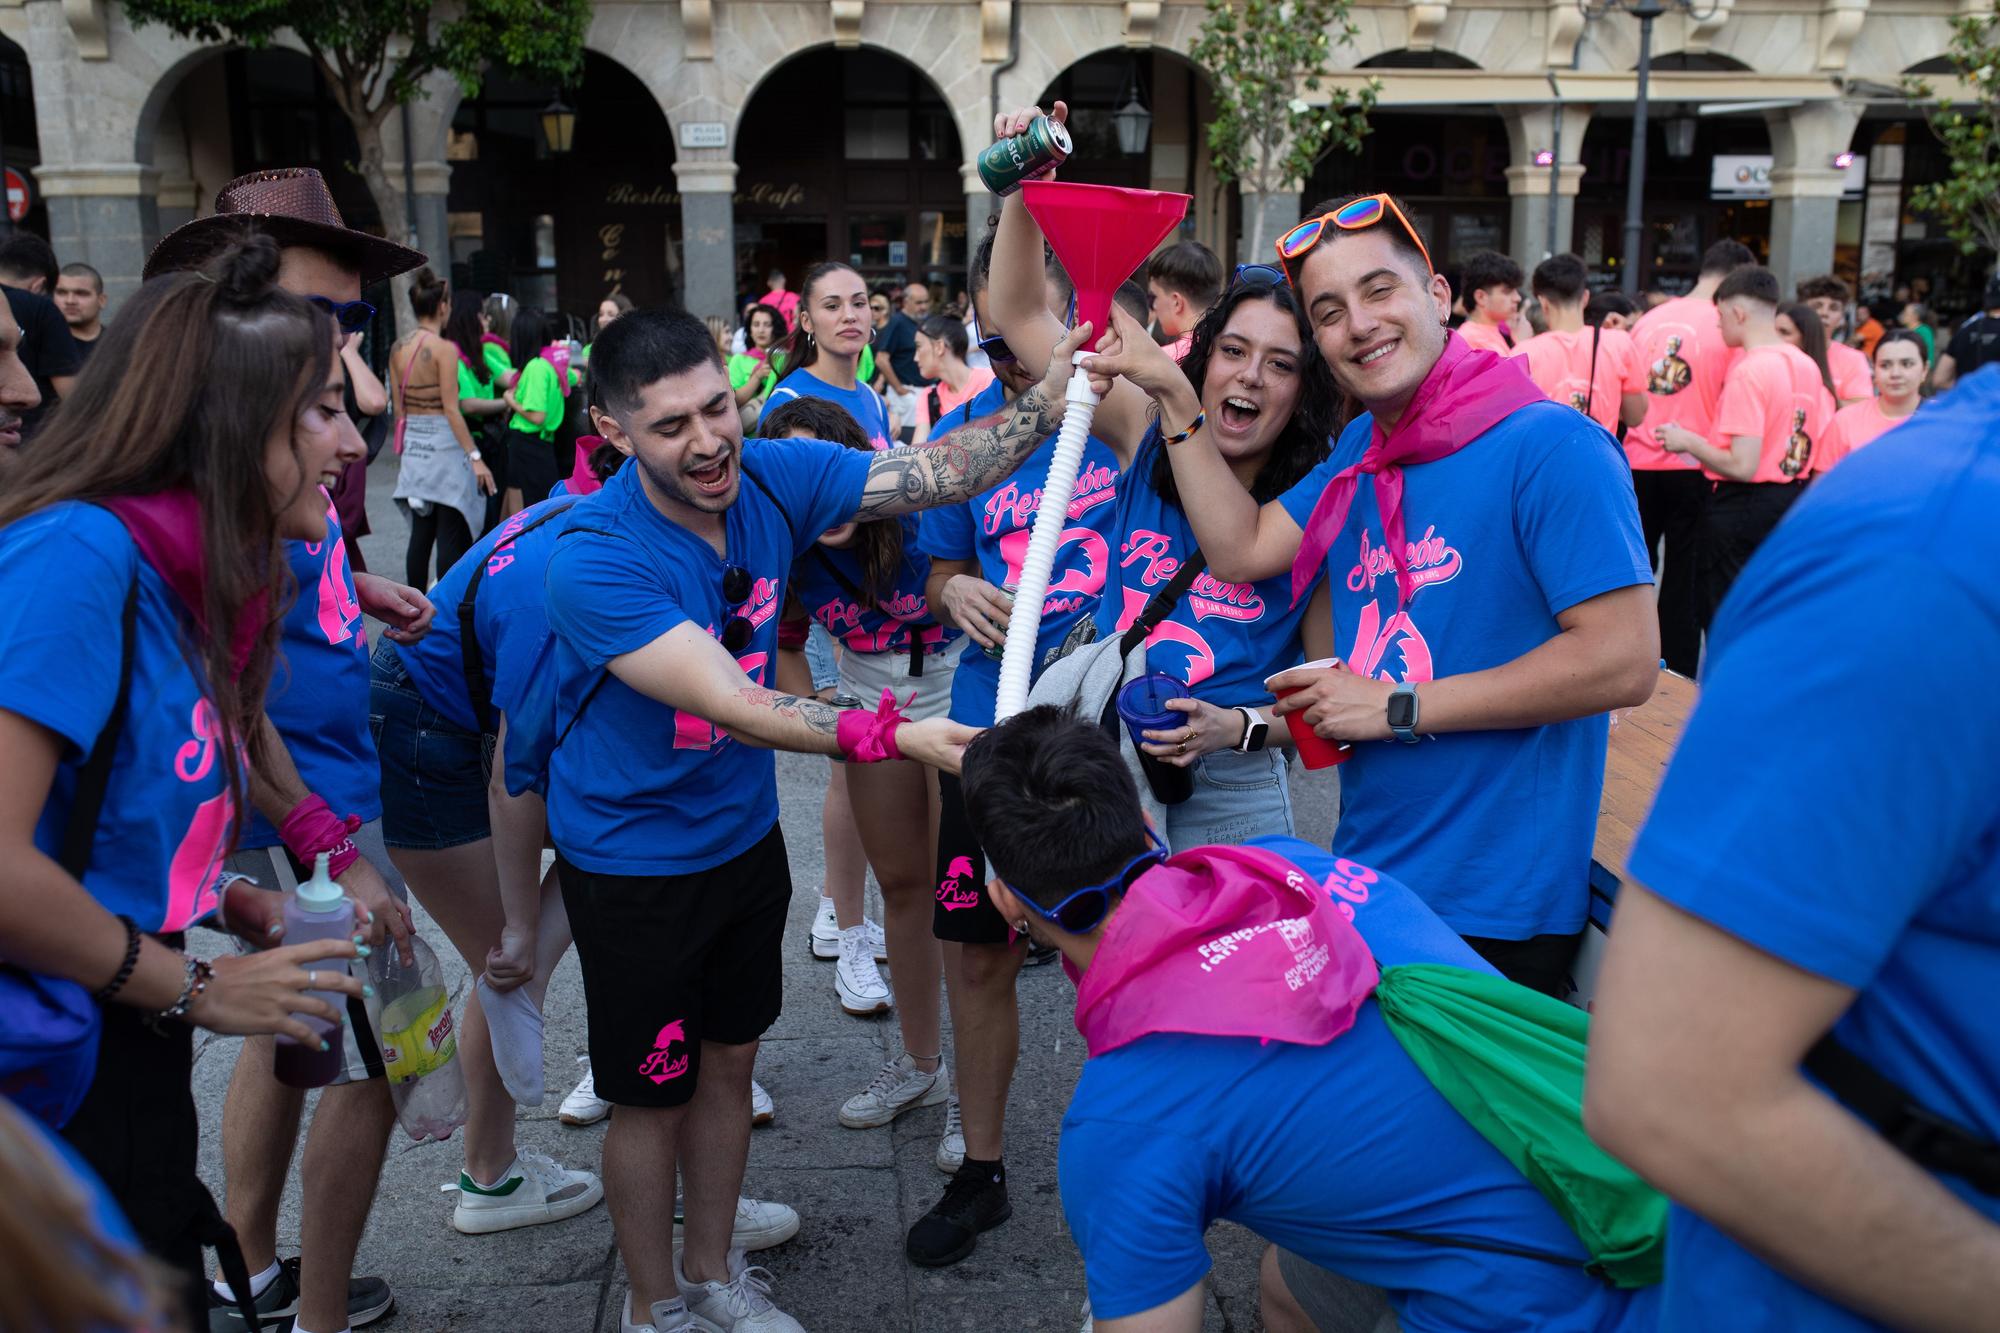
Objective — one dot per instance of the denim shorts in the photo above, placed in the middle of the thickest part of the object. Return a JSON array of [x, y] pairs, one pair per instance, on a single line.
[[1237, 797], [434, 772], [820, 658]]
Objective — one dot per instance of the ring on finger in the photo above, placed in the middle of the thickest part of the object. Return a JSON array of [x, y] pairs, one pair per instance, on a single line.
[[312, 980], [1181, 748]]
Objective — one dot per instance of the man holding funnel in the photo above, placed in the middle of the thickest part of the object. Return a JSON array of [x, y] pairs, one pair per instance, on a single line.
[[1489, 584], [1240, 1067]]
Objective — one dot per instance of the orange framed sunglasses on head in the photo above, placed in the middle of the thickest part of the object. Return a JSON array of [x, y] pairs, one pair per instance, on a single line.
[[1354, 215]]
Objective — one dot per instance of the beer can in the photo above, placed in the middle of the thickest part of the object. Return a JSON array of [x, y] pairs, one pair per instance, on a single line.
[[1034, 152]]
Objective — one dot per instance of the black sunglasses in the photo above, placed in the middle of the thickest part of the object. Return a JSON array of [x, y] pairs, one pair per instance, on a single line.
[[350, 315], [736, 630]]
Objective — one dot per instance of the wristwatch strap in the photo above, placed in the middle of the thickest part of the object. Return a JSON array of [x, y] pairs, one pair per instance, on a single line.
[[1256, 732]]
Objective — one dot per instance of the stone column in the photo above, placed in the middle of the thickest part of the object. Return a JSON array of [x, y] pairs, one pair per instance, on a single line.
[[1265, 218], [1531, 129], [1806, 186], [979, 206], [433, 182], [708, 236], [105, 214]]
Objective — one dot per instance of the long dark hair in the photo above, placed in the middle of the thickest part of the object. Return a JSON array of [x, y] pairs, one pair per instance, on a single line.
[[183, 393], [800, 348], [878, 544], [1304, 441], [462, 331], [1812, 340], [778, 331], [530, 335]]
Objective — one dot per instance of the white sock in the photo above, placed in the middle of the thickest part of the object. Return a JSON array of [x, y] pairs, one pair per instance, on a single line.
[[514, 1025], [258, 1282]]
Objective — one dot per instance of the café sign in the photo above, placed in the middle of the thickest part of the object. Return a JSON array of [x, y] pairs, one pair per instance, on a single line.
[[1748, 176]]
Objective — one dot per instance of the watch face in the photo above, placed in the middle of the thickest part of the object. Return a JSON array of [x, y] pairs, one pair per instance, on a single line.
[[1402, 710]]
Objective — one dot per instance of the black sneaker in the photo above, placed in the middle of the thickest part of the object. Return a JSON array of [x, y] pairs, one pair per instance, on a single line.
[[972, 1203], [368, 1299], [1038, 954]]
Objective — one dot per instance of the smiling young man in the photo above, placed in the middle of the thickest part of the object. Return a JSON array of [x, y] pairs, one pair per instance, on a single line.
[[663, 595], [1490, 595]]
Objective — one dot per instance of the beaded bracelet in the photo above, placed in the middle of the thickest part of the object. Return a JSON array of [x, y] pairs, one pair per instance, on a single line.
[[199, 974], [117, 983], [1188, 434]]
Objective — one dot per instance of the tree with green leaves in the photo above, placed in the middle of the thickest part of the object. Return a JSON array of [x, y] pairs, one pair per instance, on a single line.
[[1276, 111], [1967, 200], [376, 54]]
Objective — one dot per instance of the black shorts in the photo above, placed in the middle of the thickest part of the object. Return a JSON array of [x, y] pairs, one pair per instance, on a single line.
[[963, 914], [532, 465], [672, 961]]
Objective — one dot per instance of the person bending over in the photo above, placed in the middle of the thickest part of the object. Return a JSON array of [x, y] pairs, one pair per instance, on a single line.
[[1217, 1088]]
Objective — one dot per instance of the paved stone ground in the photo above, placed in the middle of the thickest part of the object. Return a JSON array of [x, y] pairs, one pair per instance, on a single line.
[[858, 1192]]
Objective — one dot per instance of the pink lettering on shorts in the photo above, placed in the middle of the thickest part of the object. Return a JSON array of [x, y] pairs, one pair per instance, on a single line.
[[661, 1063], [958, 889]]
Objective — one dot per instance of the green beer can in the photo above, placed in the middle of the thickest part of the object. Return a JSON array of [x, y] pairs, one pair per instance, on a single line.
[[1034, 152]]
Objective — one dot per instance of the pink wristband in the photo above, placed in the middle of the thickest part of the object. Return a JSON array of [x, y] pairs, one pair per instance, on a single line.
[[312, 828], [870, 738]]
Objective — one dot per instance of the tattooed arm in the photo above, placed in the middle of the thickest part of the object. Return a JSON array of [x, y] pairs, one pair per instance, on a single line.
[[690, 672], [960, 465]]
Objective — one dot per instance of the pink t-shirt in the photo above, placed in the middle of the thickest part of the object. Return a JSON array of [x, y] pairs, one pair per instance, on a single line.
[[1685, 360], [785, 303], [1560, 365], [946, 399], [1853, 377], [1853, 426], [1774, 393], [1486, 336]]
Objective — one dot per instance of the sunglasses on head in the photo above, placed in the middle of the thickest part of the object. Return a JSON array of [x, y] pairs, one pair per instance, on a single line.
[[1082, 912], [350, 315], [1354, 215], [1255, 275], [737, 629]]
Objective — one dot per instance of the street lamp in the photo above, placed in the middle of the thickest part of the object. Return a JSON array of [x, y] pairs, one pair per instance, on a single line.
[[1132, 120], [558, 125], [1635, 188]]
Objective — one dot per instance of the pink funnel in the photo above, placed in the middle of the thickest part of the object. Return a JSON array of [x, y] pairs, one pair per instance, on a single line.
[[1101, 233]]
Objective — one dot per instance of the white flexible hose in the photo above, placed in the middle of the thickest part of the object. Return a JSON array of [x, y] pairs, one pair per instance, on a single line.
[[1024, 626]]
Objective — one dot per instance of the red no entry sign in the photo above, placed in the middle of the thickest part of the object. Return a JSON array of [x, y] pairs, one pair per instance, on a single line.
[[17, 195]]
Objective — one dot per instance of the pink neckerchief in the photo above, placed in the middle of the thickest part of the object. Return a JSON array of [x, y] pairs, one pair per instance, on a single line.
[[166, 527], [557, 355], [1465, 395], [1224, 942], [582, 481]]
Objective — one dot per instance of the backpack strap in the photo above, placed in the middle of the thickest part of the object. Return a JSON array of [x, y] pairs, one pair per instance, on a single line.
[[1163, 602], [1590, 380], [1920, 1134], [94, 778], [470, 656]]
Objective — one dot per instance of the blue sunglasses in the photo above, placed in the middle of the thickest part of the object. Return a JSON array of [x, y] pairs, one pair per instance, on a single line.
[[1256, 275], [1084, 910], [349, 315]]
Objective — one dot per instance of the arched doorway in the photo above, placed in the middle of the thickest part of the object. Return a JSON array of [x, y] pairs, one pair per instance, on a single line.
[[1448, 166], [1164, 148], [561, 230], [20, 148], [849, 155]]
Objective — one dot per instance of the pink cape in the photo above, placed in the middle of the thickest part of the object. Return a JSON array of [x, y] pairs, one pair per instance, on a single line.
[[1224, 942], [1466, 394]]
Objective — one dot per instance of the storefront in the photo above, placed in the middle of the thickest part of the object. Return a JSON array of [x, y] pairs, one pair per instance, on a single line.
[[1889, 251], [1688, 208]]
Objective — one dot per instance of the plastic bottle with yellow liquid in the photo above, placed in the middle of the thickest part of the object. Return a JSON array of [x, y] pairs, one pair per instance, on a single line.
[[419, 1041]]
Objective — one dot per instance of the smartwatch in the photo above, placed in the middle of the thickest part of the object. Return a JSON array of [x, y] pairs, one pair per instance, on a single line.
[[1403, 712], [1255, 730]]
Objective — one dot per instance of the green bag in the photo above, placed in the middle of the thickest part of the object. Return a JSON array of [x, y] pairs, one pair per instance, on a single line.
[[1510, 1060]]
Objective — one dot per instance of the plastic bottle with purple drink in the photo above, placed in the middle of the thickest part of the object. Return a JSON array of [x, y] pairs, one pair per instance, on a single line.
[[316, 910]]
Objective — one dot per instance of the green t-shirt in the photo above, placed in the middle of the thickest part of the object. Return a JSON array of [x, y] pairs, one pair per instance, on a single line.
[[472, 385], [538, 391], [498, 364]]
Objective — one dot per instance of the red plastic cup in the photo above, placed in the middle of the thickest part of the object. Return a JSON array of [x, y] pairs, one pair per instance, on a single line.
[[1315, 751]]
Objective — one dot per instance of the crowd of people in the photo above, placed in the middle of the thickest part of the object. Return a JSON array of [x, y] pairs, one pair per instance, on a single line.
[[1337, 509]]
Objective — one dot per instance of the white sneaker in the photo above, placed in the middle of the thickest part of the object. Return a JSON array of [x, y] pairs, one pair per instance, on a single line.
[[534, 1190], [584, 1106], [668, 1317], [898, 1086], [825, 931], [762, 1110], [856, 979], [760, 1224], [877, 941], [740, 1305], [951, 1148]]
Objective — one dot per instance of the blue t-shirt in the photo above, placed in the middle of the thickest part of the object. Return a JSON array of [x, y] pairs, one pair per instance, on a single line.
[[994, 526], [639, 788], [862, 403], [1493, 828], [1862, 847], [1222, 639], [164, 827], [869, 629], [512, 614], [318, 698], [1320, 1149]]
